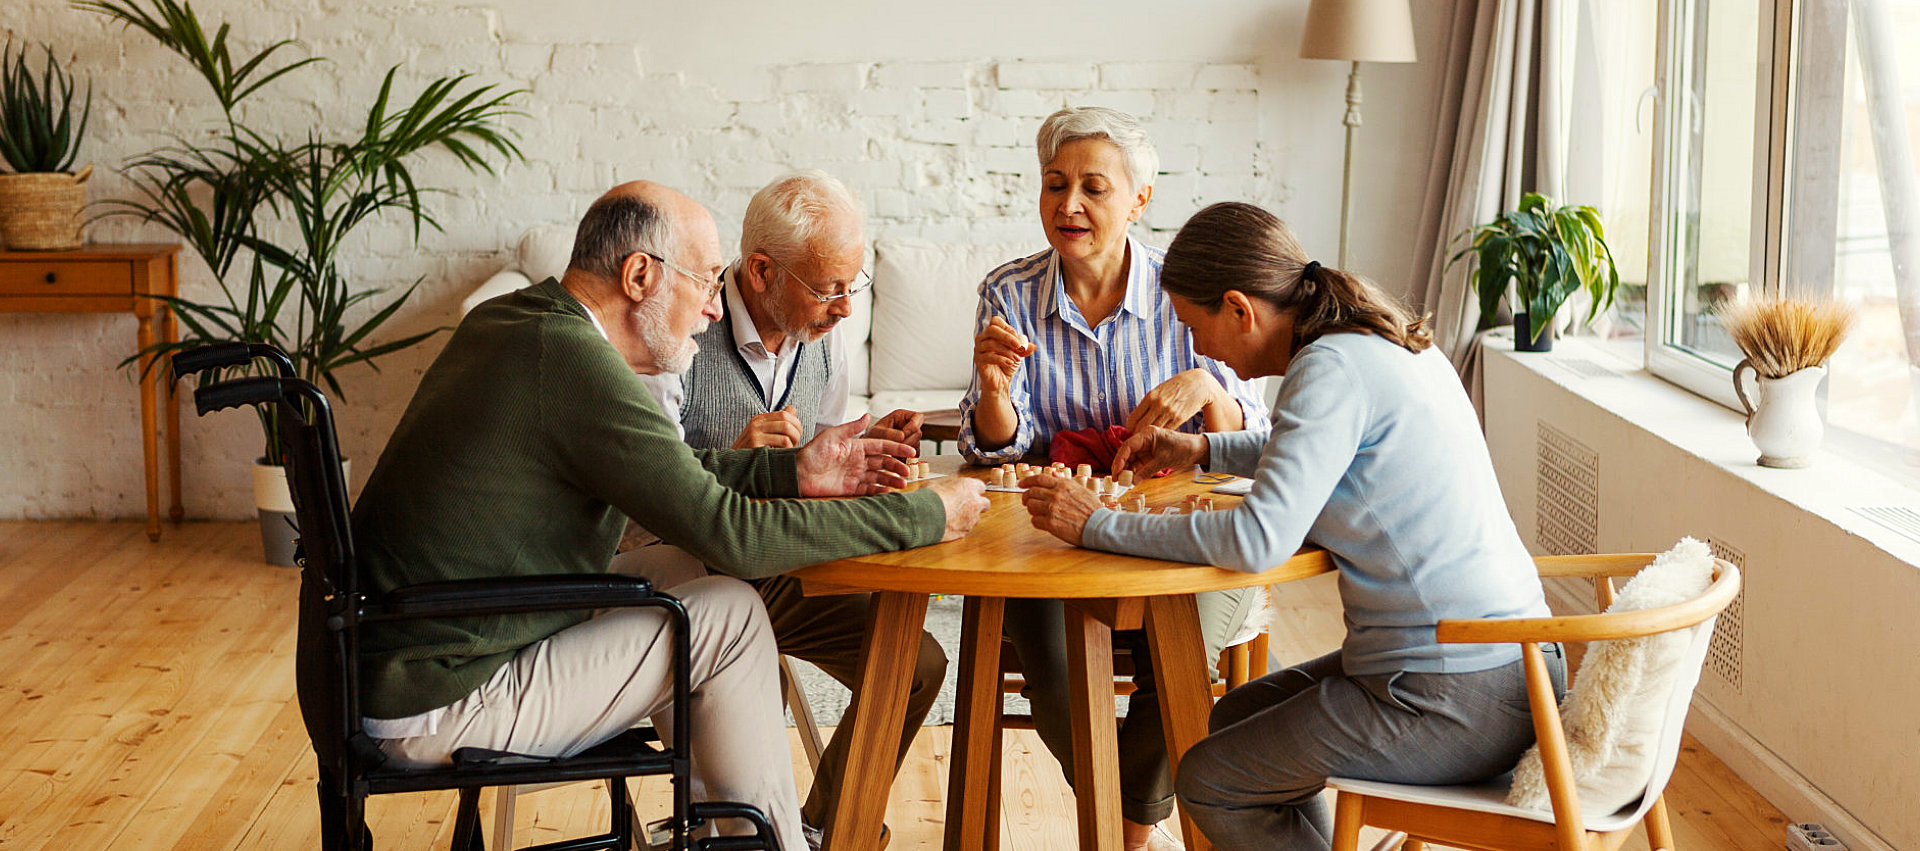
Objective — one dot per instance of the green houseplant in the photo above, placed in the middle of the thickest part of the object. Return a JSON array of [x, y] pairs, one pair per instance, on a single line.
[[1543, 253], [272, 216], [40, 201]]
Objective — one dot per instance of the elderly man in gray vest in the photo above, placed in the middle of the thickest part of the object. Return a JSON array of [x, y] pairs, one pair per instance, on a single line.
[[770, 372]]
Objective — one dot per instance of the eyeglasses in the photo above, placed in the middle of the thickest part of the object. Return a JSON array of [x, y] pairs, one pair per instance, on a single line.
[[861, 281], [710, 287]]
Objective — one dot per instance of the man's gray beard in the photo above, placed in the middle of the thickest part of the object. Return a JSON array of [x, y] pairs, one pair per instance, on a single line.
[[670, 354]]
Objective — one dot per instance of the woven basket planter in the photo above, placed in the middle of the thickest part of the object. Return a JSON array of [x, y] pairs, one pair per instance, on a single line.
[[41, 211]]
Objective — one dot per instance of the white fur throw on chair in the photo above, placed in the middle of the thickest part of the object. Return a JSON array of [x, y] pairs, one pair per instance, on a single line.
[[1619, 708]]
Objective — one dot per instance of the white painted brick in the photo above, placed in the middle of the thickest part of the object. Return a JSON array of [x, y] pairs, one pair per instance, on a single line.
[[1136, 104], [1178, 158], [1182, 106], [1237, 187], [1044, 75], [764, 115], [823, 76], [888, 102], [1003, 132], [941, 133], [825, 146], [922, 75], [440, 26], [526, 61], [1147, 75], [1227, 153], [1009, 161], [1174, 201], [1228, 78], [1234, 108], [1026, 103], [890, 203], [939, 104]]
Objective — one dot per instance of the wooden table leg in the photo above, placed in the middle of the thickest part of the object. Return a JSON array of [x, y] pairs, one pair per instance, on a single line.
[[1186, 698], [1096, 745], [879, 709], [170, 333], [976, 714], [149, 418]]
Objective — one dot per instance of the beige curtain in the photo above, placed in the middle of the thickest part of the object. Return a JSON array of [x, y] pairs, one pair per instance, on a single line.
[[1501, 133]]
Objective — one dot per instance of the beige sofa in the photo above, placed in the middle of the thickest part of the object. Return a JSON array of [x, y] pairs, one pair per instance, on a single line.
[[909, 339]]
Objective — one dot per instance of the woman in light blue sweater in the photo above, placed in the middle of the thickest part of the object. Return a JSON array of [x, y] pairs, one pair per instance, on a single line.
[[1374, 454]]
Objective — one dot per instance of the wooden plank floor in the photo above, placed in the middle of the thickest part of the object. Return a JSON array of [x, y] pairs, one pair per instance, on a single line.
[[146, 702]]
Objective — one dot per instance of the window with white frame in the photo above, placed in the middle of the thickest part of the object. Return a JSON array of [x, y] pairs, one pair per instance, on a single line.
[[1784, 162]]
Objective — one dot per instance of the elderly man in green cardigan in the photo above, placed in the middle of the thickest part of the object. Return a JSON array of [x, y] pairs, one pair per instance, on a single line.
[[528, 442]]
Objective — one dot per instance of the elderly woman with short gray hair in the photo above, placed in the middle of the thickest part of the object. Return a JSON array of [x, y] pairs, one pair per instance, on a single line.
[[1081, 336]]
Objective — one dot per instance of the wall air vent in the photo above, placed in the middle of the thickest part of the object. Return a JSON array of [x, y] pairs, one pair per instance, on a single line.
[[1567, 507], [1723, 655], [1899, 518]]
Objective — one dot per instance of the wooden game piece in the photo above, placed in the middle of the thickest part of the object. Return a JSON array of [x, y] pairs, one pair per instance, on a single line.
[[1126, 478]]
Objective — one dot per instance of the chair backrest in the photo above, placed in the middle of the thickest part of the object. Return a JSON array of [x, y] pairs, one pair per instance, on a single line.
[[1624, 718]]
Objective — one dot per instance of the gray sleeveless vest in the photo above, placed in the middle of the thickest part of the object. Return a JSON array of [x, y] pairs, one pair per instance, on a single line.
[[722, 394]]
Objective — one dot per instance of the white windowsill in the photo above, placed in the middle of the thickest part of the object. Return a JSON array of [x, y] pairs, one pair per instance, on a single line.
[[1828, 490]]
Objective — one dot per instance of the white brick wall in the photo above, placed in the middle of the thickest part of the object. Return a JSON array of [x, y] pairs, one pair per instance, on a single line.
[[935, 133]]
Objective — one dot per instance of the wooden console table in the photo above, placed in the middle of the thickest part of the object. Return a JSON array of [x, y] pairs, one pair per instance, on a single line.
[[112, 279]]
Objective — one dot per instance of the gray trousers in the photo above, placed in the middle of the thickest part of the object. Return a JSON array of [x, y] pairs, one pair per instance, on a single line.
[[1038, 630], [1255, 781]]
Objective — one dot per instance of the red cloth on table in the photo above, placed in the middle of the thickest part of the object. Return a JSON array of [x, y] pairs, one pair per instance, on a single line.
[[1091, 446]]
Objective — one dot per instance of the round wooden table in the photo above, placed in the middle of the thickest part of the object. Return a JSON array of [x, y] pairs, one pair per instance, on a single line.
[[1005, 557]]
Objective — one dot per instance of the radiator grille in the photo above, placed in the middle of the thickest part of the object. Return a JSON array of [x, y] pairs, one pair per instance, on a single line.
[[1567, 510], [1723, 655]]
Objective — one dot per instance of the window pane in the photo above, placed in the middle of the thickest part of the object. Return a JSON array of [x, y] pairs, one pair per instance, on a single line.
[[1871, 386], [1715, 186], [1610, 148]]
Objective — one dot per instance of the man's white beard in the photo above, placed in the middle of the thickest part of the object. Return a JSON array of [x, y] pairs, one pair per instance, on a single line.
[[671, 354]]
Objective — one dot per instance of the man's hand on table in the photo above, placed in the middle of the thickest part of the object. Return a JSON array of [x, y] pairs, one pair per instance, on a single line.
[[1059, 506], [1154, 449], [964, 499], [776, 429], [901, 426], [839, 462]]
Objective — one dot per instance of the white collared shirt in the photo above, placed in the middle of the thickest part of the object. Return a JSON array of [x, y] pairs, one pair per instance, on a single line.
[[773, 370]]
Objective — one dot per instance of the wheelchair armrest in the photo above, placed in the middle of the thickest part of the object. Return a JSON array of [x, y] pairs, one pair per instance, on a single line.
[[509, 596]]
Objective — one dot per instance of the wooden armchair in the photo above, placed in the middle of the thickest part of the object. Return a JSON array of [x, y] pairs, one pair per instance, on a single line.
[[1477, 816]]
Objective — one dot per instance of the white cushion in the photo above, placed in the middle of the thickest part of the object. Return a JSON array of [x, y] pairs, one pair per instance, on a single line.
[[544, 252], [925, 295], [1629, 700]]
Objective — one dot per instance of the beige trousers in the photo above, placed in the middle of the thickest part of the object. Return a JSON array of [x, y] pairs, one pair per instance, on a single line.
[[584, 685]]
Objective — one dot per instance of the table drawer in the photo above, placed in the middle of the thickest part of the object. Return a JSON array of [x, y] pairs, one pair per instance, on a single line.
[[65, 277]]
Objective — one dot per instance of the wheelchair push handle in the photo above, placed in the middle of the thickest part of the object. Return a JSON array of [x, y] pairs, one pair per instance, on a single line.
[[223, 355], [236, 392]]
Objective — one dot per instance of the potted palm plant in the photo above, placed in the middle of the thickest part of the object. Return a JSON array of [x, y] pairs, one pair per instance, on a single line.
[[271, 216], [40, 201], [1542, 253]]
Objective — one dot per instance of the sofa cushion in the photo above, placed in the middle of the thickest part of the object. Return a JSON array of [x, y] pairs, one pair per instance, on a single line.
[[544, 252], [925, 295]]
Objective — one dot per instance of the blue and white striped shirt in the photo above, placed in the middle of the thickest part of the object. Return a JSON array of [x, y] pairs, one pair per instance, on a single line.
[[1088, 377]]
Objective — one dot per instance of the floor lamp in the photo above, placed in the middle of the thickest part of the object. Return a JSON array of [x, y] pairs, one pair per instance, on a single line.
[[1356, 31]]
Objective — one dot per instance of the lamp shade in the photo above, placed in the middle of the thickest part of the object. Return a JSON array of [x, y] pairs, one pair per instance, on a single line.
[[1358, 31]]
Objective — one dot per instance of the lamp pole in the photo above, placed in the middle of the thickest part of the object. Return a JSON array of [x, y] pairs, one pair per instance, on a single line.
[[1346, 173]]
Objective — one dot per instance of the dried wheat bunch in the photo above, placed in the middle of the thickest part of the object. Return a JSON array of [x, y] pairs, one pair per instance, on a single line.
[[1782, 336]]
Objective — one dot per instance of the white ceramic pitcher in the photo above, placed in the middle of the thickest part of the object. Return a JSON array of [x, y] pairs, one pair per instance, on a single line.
[[1783, 417]]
